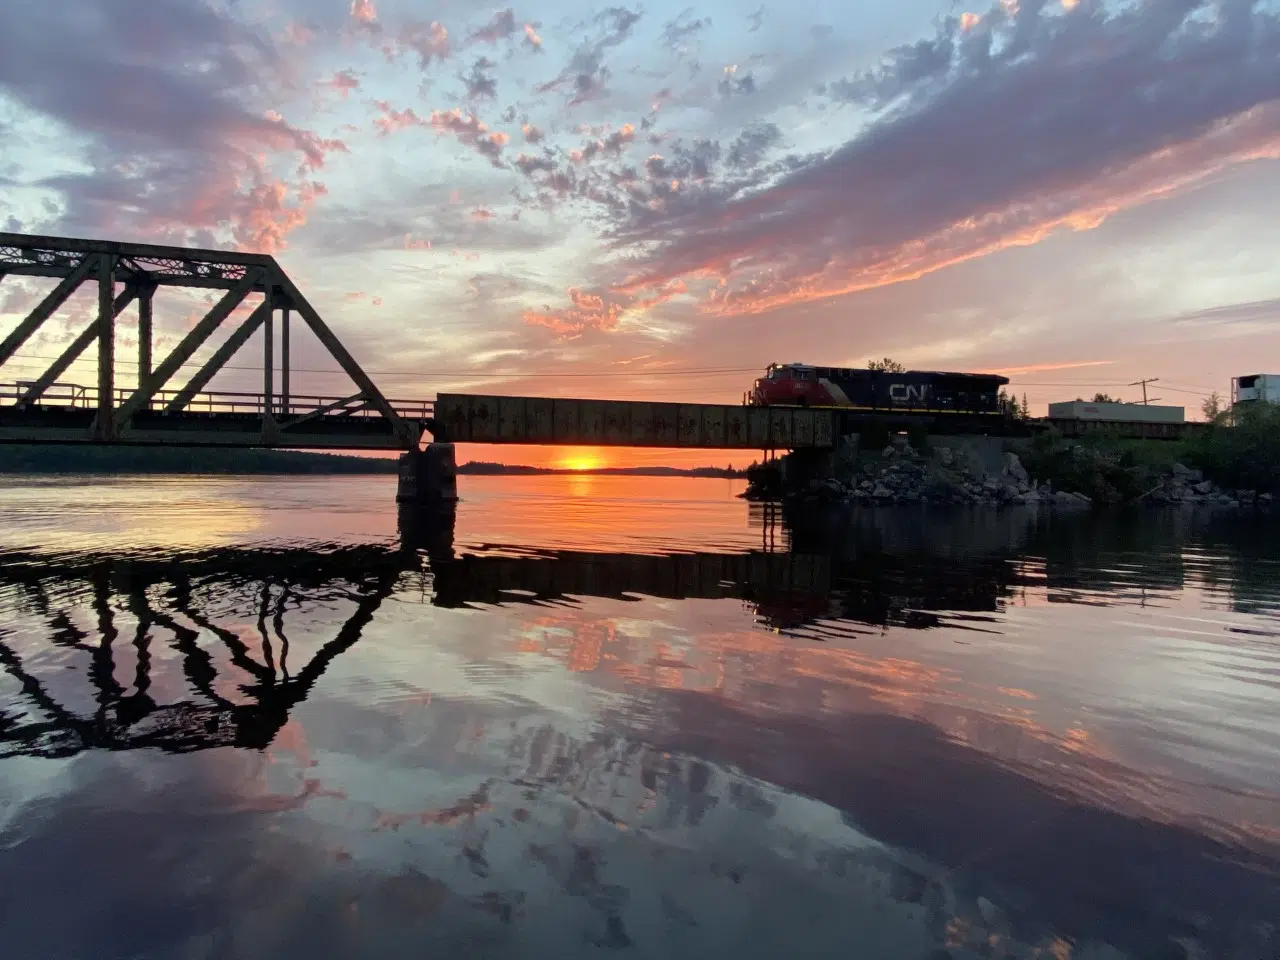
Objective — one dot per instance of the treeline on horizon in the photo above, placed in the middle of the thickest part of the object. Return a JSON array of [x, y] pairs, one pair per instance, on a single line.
[[92, 458], [481, 468]]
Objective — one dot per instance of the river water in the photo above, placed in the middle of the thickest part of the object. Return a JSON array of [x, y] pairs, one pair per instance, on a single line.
[[270, 718]]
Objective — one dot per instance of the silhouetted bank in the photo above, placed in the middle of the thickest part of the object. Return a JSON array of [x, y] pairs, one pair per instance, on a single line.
[[59, 458], [67, 458]]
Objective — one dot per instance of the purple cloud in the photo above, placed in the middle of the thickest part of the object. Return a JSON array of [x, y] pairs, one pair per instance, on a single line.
[[167, 98]]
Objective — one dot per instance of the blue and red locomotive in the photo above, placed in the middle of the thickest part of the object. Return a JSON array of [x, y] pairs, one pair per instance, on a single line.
[[915, 391]]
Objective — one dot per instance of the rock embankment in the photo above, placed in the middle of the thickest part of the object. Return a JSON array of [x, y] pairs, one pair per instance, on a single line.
[[902, 475]]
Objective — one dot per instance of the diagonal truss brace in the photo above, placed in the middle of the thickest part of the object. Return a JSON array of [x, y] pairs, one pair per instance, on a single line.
[[73, 351], [220, 357], [185, 348], [329, 408], [371, 393], [45, 308]]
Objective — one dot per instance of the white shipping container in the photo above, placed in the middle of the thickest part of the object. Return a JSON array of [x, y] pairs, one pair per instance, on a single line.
[[1264, 387], [1130, 412]]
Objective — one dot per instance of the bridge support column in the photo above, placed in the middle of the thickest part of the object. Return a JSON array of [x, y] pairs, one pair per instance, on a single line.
[[428, 477]]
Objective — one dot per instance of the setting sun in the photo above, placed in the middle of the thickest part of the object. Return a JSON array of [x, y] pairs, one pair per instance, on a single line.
[[581, 460]]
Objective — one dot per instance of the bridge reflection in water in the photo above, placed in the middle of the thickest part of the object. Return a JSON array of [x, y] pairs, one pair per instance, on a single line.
[[241, 688]]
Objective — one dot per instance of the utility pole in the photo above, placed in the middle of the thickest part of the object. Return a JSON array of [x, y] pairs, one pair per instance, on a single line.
[[1143, 385]]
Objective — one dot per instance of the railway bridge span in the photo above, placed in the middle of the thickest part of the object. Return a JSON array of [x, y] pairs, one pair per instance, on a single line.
[[168, 400]]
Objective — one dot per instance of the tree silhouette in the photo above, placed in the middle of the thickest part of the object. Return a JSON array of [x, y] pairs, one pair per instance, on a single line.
[[887, 365]]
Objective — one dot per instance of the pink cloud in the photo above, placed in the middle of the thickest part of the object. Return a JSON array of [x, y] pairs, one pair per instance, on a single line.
[[390, 120], [342, 82], [471, 131], [363, 12], [297, 34], [281, 135], [611, 144], [430, 41], [598, 311], [268, 212], [588, 311]]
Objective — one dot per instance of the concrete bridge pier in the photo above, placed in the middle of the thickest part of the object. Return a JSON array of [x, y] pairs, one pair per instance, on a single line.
[[428, 477]]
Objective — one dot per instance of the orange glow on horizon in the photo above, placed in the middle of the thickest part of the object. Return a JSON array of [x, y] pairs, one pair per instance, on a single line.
[[584, 459]]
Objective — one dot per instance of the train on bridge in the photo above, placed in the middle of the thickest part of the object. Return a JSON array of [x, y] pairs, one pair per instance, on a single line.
[[880, 391], [954, 401]]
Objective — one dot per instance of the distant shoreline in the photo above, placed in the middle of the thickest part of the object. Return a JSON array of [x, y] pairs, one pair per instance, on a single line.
[[480, 469], [17, 459]]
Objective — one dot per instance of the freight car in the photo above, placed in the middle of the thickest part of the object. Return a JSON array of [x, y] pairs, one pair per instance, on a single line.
[[915, 391], [1116, 412], [1256, 388]]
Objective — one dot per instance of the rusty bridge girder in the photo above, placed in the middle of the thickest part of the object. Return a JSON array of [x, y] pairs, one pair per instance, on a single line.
[[128, 272]]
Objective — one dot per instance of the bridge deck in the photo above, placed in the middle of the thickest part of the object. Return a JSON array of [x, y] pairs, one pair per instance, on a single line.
[[464, 418], [66, 413]]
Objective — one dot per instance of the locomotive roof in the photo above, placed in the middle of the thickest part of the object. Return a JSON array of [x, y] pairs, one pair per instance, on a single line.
[[906, 373]]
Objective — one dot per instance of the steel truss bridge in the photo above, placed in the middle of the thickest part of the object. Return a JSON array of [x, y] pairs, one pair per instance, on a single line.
[[163, 407], [155, 410]]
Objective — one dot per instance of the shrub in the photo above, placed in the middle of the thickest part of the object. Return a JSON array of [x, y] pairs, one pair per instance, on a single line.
[[1106, 470], [1240, 450]]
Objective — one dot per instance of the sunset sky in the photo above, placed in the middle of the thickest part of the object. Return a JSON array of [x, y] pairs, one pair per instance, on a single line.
[[655, 201]]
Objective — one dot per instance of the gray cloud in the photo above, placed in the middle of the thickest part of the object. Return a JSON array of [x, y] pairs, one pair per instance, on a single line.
[[170, 114], [681, 28], [430, 41], [751, 144], [406, 217], [480, 82], [733, 84], [1256, 312], [500, 26], [586, 75], [988, 135]]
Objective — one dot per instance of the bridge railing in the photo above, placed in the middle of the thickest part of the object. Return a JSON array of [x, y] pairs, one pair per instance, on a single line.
[[77, 397]]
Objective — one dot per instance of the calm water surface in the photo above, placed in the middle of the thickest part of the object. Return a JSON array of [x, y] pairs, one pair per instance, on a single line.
[[271, 718]]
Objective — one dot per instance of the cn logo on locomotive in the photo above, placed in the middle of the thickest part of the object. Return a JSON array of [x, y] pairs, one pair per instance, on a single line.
[[906, 392]]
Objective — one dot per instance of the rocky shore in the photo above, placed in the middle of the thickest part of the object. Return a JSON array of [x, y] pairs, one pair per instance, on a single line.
[[946, 475]]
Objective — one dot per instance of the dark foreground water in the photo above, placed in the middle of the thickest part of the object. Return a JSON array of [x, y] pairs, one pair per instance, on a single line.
[[270, 719]]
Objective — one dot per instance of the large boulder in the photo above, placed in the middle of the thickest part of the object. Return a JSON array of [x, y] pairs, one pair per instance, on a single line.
[[1204, 487], [1187, 474], [945, 457], [1013, 468], [1071, 501]]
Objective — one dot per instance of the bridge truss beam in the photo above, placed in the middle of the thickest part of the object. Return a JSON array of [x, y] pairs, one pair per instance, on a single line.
[[142, 269]]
